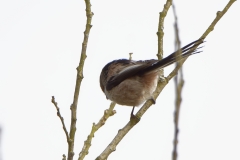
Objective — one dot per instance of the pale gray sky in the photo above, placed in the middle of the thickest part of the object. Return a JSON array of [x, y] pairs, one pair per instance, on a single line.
[[40, 45]]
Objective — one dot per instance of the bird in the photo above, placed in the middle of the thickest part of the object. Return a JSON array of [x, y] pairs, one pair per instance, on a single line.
[[130, 83]]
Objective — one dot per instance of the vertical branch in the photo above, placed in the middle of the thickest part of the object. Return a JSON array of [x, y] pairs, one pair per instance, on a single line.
[[160, 32], [79, 78], [179, 81]]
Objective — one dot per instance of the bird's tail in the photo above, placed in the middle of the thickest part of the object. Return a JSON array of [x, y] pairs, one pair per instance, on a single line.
[[180, 54]]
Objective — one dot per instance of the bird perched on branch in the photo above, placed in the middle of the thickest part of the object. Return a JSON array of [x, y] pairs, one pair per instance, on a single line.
[[131, 83]]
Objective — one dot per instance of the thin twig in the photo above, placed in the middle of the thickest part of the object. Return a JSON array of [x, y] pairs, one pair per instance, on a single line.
[[87, 144], [179, 82], [160, 32], [61, 118], [130, 56], [79, 78], [218, 17], [209, 29]]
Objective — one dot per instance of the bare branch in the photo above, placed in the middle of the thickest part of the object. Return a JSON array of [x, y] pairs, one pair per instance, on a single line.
[[130, 56], [61, 118], [160, 32], [79, 78], [107, 113], [218, 17], [209, 29], [179, 85], [179, 81]]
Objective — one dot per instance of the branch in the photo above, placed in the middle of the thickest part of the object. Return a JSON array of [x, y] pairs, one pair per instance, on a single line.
[[209, 29], [79, 78], [61, 118], [130, 56], [218, 17], [87, 144], [179, 85], [160, 32], [179, 82]]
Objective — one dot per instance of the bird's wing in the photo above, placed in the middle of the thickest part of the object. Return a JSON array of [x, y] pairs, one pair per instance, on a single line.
[[127, 72]]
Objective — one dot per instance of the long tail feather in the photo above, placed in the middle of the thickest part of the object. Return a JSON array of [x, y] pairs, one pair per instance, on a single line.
[[180, 54]]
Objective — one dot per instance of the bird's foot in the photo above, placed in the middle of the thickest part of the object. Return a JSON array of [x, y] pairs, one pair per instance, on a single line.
[[133, 117], [153, 100]]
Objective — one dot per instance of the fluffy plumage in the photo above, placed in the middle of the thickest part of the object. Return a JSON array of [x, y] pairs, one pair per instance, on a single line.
[[130, 83]]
